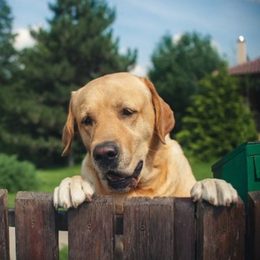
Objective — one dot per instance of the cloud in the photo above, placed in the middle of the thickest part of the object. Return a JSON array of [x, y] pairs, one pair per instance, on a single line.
[[176, 37], [139, 70], [23, 38]]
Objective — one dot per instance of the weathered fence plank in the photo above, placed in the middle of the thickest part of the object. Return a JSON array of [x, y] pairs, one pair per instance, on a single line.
[[184, 229], [136, 229], [149, 228], [254, 225], [161, 222], [91, 229], [220, 232], [36, 234], [4, 231]]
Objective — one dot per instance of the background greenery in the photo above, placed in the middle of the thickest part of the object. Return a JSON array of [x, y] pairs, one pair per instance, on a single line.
[[78, 45], [16, 175], [217, 119], [48, 179]]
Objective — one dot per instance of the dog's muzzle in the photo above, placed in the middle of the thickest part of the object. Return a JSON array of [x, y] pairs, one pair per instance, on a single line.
[[118, 180]]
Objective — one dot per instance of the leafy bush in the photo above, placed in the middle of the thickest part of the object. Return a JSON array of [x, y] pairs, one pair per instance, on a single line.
[[218, 119], [16, 175]]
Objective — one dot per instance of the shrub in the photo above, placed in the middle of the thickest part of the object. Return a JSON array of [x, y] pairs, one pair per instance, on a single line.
[[218, 119], [16, 175]]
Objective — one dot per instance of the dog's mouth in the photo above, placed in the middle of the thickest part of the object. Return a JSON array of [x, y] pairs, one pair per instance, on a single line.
[[118, 181]]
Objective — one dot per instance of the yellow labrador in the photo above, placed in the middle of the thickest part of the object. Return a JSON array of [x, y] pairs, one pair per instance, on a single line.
[[125, 127]]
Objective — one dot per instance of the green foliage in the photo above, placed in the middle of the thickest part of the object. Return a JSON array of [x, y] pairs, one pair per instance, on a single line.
[[179, 65], [77, 47], [7, 51], [7, 60], [16, 175], [8, 70], [218, 119]]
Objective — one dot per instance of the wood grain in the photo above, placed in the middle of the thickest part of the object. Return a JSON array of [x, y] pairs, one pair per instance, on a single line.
[[91, 229], [4, 234], [36, 233], [149, 228], [220, 232], [254, 226]]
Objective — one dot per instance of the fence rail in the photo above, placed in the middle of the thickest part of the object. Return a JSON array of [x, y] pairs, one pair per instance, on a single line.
[[141, 228]]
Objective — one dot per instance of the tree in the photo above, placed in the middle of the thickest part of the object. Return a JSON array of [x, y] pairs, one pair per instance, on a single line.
[[8, 70], [179, 65], [218, 119], [77, 47], [7, 51]]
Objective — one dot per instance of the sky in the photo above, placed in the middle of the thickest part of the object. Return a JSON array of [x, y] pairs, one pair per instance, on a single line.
[[140, 24]]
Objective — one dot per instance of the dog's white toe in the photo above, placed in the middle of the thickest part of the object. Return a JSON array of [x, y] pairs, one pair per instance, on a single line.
[[215, 191], [72, 192]]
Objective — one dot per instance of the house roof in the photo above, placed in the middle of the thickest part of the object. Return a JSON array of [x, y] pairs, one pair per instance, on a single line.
[[250, 67]]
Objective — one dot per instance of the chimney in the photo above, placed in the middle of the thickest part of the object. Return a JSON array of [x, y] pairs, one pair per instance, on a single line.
[[241, 50]]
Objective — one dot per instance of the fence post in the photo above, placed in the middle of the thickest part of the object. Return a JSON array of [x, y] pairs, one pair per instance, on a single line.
[[254, 225], [220, 232], [36, 233], [90, 228], [184, 229], [4, 231], [149, 228]]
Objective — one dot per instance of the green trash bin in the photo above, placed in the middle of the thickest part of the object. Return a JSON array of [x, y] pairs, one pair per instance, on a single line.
[[241, 168]]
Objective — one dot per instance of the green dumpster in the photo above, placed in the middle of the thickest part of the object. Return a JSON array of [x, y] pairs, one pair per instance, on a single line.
[[241, 168]]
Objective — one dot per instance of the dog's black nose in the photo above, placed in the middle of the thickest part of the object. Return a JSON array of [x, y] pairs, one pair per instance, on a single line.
[[106, 154]]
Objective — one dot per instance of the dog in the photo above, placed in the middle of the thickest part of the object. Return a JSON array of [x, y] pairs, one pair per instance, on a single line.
[[125, 125]]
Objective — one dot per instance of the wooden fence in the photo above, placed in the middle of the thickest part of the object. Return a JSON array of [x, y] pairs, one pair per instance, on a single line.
[[141, 228]]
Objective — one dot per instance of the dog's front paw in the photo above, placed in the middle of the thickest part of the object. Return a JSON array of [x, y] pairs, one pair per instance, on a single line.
[[72, 192], [215, 191]]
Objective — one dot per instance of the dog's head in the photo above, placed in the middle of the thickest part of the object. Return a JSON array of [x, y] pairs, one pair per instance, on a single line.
[[120, 117]]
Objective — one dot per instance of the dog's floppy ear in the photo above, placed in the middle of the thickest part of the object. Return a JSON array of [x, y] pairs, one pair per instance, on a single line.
[[164, 118], [68, 130]]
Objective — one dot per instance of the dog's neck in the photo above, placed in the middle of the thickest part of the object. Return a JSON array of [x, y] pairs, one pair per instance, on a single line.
[[155, 169]]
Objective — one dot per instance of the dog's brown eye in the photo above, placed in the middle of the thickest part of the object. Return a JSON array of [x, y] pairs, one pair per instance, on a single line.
[[128, 112], [87, 121]]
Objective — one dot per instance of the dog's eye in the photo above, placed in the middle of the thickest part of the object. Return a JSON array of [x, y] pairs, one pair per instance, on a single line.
[[128, 112], [87, 121]]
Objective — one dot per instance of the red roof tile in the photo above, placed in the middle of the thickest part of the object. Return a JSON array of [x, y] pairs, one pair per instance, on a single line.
[[250, 67]]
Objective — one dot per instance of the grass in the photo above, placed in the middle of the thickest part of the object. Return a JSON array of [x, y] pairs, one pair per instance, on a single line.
[[50, 178], [63, 253], [200, 169]]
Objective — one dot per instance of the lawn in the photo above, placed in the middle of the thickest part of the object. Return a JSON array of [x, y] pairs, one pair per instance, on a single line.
[[201, 169], [50, 178]]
